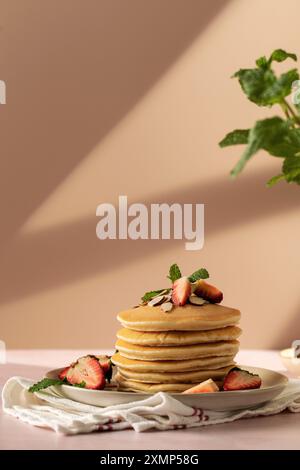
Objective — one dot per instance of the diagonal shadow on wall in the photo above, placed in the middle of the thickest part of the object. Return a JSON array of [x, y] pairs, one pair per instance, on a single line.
[[50, 258], [73, 69]]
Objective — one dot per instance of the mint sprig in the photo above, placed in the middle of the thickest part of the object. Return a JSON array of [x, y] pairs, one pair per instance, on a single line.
[[278, 136], [199, 274], [174, 273], [45, 383]]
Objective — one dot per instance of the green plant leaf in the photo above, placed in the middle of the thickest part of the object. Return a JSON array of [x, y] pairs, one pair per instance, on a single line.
[[279, 55], [45, 383], [174, 273], [236, 137], [279, 137], [262, 62], [81, 385], [291, 169], [199, 274], [254, 83], [282, 87], [275, 180], [285, 142], [263, 88], [273, 135], [153, 293]]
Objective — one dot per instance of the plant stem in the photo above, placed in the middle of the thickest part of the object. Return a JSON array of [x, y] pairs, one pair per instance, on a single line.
[[289, 108], [284, 108]]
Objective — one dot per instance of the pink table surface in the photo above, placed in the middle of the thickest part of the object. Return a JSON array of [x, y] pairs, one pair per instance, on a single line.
[[273, 432]]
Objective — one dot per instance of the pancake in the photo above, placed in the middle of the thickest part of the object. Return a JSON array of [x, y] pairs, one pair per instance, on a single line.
[[175, 377], [131, 386], [204, 363], [175, 353], [186, 318], [178, 338]]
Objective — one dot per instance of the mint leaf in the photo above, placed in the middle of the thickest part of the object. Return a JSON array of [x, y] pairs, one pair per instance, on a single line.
[[275, 180], [285, 142], [291, 169], [236, 137], [153, 293], [199, 274], [281, 88], [174, 273], [262, 62], [45, 383], [255, 82], [263, 88], [273, 135], [279, 55], [81, 385]]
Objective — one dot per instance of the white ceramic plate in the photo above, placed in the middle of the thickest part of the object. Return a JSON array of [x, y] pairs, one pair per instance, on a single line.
[[272, 385]]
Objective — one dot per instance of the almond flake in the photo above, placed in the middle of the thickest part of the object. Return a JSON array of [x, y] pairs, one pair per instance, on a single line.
[[156, 300], [195, 300], [166, 307]]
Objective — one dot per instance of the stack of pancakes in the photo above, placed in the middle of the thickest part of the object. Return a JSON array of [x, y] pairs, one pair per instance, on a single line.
[[158, 351]]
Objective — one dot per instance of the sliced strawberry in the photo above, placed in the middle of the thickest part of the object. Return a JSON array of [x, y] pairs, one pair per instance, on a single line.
[[207, 386], [181, 290], [208, 292], [87, 372], [63, 373], [105, 363], [239, 379], [107, 366]]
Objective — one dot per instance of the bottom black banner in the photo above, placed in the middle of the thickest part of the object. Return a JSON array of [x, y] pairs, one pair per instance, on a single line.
[[143, 458]]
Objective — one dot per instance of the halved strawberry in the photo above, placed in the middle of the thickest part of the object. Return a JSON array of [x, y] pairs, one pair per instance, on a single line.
[[208, 292], [105, 362], [87, 372], [107, 366], [181, 290], [63, 373], [239, 379], [207, 386]]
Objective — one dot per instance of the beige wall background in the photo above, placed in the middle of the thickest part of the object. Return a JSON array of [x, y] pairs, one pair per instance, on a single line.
[[131, 97]]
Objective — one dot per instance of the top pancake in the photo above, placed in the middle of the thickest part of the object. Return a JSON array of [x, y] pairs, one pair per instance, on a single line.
[[186, 318]]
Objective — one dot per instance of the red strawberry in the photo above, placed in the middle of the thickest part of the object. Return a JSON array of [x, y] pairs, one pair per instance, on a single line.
[[63, 373], [208, 292], [88, 372], [239, 379], [181, 291], [105, 363]]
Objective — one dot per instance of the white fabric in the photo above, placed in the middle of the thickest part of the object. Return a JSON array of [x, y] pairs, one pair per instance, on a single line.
[[160, 411]]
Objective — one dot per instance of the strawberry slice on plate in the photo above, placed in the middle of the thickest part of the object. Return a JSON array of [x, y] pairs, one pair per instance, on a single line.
[[239, 379], [63, 373], [208, 386], [105, 362], [87, 372], [181, 290]]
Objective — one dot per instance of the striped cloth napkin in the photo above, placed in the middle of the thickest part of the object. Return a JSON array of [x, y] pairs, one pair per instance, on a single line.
[[47, 408]]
